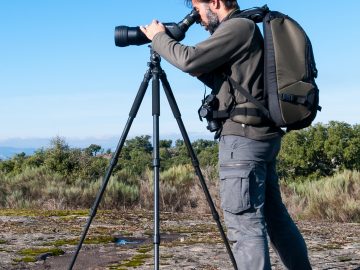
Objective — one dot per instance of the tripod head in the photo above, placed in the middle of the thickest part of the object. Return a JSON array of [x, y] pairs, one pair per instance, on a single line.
[[155, 58]]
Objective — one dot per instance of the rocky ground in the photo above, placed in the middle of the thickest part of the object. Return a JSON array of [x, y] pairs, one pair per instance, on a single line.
[[122, 240]]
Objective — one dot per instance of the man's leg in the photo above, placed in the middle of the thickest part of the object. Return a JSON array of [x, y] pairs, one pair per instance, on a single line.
[[284, 235], [242, 191]]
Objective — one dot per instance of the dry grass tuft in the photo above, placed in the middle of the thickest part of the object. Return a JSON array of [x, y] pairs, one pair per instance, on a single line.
[[334, 198]]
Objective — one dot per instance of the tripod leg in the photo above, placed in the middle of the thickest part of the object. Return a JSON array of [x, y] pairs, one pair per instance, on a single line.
[[156, 157], [195, 162], [133, 112]]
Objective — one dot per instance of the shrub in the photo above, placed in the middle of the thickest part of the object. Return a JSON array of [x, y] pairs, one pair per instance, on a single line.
[[320, 150], [335, 198], [175, 186]]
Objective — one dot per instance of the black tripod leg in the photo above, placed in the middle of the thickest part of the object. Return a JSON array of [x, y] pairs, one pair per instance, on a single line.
[[195, 162], [156, 156], [133, 112]]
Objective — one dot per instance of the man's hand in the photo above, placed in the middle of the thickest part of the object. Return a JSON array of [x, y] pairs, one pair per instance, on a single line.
[[151, 30]]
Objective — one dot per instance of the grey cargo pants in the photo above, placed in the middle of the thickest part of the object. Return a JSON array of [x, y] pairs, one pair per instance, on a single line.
[[252, 205]]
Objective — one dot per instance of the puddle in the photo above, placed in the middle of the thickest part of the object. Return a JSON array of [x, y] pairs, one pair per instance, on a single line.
[[122, 241]]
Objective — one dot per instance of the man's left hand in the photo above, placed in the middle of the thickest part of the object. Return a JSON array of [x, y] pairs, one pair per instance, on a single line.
[[151, 30]]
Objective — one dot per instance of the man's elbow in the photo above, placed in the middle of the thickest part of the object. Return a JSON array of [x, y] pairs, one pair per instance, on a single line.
[[191, 67]]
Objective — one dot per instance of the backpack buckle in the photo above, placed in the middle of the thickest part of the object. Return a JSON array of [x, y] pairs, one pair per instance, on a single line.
[[288, 98]]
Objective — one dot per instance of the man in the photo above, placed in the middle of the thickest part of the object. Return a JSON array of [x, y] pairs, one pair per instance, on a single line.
[[248, 147]]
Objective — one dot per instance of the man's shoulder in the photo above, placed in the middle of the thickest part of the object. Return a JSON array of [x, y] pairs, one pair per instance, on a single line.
[[238, 23], [239, 20]]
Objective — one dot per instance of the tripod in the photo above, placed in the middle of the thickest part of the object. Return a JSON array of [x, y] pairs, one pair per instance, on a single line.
[[155, 73]]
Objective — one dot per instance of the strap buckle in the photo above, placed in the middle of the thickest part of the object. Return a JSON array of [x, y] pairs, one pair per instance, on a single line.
[[288, 98]]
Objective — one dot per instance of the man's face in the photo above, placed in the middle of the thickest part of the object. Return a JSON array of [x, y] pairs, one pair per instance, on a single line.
[[209, 18]]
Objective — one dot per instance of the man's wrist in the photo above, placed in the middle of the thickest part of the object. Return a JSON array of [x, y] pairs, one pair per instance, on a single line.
[[157, 36]]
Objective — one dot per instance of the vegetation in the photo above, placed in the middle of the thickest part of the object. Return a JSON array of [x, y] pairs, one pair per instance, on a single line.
[[318, 168], [334, 198], [61, 177], [320, 150]]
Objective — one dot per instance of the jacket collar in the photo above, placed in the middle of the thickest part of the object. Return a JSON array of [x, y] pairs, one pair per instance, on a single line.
[[232, 14]]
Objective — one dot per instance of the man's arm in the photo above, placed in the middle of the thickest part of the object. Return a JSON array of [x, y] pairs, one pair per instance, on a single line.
[[229, 39]]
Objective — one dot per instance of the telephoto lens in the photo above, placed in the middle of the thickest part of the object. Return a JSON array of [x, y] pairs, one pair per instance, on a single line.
[[125, 36]]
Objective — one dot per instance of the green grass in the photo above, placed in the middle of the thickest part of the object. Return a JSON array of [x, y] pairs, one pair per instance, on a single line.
[[39, 251], [135, 261], [31, 254], [88, 240]]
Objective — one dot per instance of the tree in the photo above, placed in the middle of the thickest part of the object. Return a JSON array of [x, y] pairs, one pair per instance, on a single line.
[[136, 155], [37, 159], [179, 154], [140, 143], [93, 149], [165, 154], [302, 154], [320, 150], [60, 158], [201, 145], [342, 145], [165, 143], [352, 152]]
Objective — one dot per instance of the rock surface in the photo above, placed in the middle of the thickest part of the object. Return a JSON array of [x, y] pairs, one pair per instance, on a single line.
[[122, 240]]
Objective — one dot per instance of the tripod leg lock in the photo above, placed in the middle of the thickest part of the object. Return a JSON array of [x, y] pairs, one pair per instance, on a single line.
[[156, 162], [195, 163], [157, 239], [215, 215]]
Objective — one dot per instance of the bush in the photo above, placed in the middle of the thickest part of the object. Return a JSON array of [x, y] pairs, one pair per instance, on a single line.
[[38, 187], [318, 151], [175, 185], [335, 198]]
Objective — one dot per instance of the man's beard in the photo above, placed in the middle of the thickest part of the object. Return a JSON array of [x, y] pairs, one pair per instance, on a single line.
[[213, 21]]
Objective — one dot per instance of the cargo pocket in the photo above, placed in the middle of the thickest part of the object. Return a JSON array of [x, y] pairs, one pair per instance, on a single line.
[[235, 187]]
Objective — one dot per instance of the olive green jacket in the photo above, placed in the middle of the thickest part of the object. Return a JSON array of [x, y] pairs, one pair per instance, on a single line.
[[236, 49]]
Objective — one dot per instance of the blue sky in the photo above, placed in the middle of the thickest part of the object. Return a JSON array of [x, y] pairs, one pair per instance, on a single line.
[[62, 75]]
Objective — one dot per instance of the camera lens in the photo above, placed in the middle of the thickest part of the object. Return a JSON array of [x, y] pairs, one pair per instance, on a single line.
[[213, 126], [125, 36], [203, 112]]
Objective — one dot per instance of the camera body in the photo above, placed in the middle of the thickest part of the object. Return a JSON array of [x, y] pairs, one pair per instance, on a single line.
[[210, 104]]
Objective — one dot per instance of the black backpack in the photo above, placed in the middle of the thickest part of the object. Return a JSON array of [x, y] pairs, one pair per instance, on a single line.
[[289, 71]]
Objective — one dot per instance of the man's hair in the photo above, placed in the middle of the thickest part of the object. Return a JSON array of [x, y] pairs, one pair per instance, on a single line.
[[228, 3]]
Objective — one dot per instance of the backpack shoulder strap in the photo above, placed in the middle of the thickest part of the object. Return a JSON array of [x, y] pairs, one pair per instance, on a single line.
[[256, 14], [246, 94]]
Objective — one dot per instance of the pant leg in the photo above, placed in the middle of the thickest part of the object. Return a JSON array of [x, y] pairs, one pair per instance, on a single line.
[[246, 225], [243, 169], [284, 235]]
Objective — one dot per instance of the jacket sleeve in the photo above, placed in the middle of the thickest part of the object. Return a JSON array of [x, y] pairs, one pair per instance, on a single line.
[[207, 79], [229, 39]]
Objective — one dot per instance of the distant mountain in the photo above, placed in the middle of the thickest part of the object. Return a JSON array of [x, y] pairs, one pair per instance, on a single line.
[[9, 152]]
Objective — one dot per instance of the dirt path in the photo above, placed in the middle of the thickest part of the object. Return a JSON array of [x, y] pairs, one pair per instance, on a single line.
[[122, 240]]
